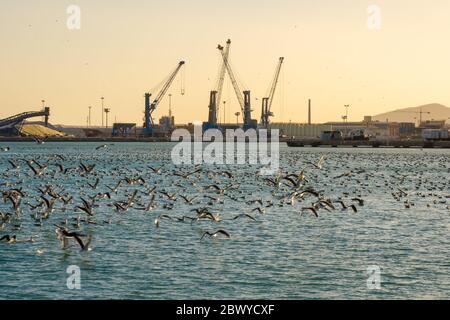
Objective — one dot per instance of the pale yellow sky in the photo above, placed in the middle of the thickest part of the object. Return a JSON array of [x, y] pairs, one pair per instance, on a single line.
[[125, 48]]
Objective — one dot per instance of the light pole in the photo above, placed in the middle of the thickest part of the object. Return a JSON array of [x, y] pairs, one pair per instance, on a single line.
[[89, 119], [237, 114], [107, 110], [224, 117], [346, 118], [103, 98]]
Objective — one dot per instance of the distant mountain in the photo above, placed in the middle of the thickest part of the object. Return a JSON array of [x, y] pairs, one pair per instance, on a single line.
[[436, 112]]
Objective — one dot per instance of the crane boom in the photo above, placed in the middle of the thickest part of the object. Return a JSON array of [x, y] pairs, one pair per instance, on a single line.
[[232, 78], [149, 108], [275, 81], [420, 113], [223, 68], [267, 101], [215, 95], [166, 86]]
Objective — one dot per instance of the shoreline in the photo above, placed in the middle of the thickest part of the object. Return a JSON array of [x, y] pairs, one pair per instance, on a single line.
[[99, 139], [299, 143], [396, 143]]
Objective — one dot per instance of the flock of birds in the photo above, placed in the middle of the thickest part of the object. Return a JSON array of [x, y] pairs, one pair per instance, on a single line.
[[71, 191]]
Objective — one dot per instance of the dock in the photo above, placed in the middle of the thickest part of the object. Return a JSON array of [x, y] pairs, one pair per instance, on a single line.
[[399, 143]]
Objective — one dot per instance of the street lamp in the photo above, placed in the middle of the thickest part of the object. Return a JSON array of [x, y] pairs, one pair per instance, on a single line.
[[103, 98], [89, 119], [107, 110], [346, 118], [237, 114], [224, 119]]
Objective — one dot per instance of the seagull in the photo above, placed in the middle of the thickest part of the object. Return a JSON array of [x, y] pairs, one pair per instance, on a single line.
[[114, 190], [63, 234], [134, 181], [49, 204], [275, 182], [37, 172], [186, 175], [61, 168], [215, 234], [259, 210], [201, 210], [319, 164], [9, 239], [5, 217], [161, 216], [13, 164], [345, 207], [86, 168], [188, 201], [94, 186], [255, 201], [309, 191], [360, 201], [312, 209], [241, 216], [13, 239], [170, 196], [208, 216], [150, 206], [156, 170], [86, 207], [292, 181], [325, 203], [228, 174], [101, 147]]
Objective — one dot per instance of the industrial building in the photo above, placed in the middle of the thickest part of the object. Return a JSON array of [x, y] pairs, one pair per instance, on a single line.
[[300, 130], [380, 129]]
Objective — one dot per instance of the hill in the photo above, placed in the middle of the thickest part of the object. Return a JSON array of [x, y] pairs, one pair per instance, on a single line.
[[436, 112]]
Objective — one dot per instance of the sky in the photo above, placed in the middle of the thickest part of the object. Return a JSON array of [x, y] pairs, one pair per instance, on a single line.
[[126, 48]]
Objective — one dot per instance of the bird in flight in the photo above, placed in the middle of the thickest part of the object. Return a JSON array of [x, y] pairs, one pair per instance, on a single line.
[[216, 234]]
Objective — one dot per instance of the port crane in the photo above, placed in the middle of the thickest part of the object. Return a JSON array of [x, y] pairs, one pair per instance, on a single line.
[[150, 107], [420, 113], [242, 96], [215, 95], [267, 101]]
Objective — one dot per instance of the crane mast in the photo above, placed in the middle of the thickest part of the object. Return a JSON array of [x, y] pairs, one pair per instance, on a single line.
[[267, 101], [150, 107], [243, 97]]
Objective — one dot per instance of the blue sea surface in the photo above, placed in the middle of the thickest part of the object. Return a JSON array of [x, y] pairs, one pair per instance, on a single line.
[[403, 226]]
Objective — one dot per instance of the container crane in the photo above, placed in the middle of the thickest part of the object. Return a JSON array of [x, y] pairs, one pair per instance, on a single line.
[[267, 101], [150, 107], [215, 95], [242, 96]]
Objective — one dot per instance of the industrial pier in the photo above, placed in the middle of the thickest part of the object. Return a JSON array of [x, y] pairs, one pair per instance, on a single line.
[[396, 143]]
